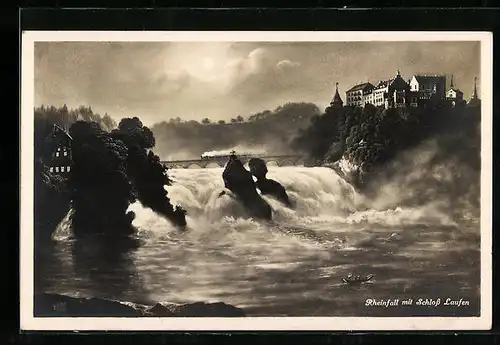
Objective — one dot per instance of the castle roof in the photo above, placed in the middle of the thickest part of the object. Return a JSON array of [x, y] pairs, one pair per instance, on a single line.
[[336, 98], [430, 78], [384, 83], [456, 90], [58, 131], [474, 102], [358, 87]]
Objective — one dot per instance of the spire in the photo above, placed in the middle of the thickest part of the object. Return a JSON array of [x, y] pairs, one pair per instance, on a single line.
[[399, 73], [474, 95], [337, 101], [451, 84]]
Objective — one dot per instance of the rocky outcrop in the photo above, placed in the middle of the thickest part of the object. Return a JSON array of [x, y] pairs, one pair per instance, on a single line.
[[240, 182], [101, 191], [51, 202], [145, 170], [52, 305], [267, 186]]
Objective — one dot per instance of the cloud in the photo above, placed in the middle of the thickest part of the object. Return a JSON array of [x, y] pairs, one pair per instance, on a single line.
[[160, 80], [287, 64]]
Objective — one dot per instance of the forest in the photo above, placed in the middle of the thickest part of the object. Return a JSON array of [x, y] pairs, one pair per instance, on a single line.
[[113, 166], [272, 130], [371, 137]]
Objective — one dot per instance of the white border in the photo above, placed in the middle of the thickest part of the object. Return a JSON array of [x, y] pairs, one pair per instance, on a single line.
[[28, 322]]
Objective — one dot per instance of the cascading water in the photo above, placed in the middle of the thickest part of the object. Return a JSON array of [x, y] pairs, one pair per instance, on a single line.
[[292, 265]]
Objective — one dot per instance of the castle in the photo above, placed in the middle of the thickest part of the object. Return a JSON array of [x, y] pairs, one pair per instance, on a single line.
[[419, 91]]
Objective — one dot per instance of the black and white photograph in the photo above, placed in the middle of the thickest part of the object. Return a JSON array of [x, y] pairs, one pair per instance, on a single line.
[[271, 180]]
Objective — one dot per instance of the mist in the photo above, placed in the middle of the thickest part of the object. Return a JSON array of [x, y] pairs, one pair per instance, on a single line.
[[440, 176], [266, 132]]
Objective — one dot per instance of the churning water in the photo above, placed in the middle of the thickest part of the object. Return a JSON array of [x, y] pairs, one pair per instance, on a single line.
[[291, 266]]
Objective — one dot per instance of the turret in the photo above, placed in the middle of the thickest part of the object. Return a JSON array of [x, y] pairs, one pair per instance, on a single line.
[[337, 101]]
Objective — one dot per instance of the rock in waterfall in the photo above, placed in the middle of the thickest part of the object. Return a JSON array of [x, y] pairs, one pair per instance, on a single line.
[[240, 181], [267, 186]]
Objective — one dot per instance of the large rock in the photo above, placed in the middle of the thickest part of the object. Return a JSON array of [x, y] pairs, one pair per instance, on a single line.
[[52, 202], [275, 189], [258, 168], [240, 182], [51, 305], [196, 309], [267, 186], [48, 305]]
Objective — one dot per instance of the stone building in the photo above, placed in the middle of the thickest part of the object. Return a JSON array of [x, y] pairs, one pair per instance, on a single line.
[[359, 95], [390, 93]]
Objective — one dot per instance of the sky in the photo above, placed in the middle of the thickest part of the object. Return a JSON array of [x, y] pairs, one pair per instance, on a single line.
[[157, 81]]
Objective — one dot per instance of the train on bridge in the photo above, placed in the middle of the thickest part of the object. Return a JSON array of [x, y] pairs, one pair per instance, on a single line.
[[221, 158], [225, 155]]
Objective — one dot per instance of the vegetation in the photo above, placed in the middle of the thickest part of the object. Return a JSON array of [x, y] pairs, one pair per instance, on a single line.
[[369, 137], [177, 139], [47, 116], [101, 189], [112, 167], [144, 169]]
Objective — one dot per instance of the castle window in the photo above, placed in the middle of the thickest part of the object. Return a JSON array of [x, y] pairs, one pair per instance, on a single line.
[[65, 153], [68, 169], [58, 149], [57, 169], [51, 169], [57, 153], [62, 169]]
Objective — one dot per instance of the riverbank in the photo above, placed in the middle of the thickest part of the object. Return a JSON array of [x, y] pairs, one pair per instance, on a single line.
[[57, 305]]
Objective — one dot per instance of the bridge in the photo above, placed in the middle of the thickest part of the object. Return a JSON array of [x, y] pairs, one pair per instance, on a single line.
[[220, 161]]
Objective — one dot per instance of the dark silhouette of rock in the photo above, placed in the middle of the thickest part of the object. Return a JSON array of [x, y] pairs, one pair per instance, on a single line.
[[275, 189], [240, 181], [197, 309], [52, 202], [267, 186], [145, 170], [52, 305], [60, 305], [258, 168], [101, 191]]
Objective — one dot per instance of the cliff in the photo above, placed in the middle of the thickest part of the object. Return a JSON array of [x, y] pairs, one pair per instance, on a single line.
[[51, 202], [53, 305], [362, 142]]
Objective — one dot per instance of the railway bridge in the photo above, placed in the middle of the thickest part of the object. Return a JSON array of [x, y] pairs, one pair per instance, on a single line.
[[220, 161]]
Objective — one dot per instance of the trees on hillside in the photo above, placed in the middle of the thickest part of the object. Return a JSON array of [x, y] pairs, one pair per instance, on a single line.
[[371, 136], [47, 116]]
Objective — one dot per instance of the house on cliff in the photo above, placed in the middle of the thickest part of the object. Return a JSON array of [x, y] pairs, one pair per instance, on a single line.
[[359, 95], [60, 142], [390, 93], [426, 89], [454, 95]]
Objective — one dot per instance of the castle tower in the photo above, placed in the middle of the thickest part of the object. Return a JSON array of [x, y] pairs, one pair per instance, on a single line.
[[474, 101], [337, 101], [451, 83]]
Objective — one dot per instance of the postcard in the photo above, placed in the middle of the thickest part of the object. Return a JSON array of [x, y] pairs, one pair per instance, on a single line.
[[256, 181]]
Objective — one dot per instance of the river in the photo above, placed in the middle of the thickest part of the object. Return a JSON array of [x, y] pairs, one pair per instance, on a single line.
[[292, 266]]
